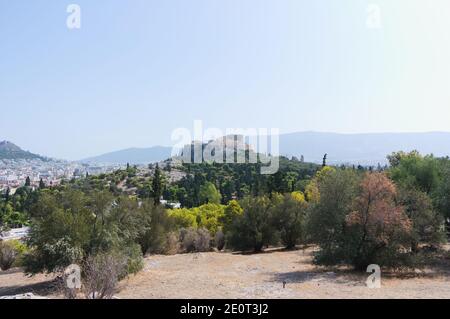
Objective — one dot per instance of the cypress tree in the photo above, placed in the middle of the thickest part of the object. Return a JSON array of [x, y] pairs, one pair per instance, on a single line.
[[28, 182], [324, 160], [8, 191], [157, 185]]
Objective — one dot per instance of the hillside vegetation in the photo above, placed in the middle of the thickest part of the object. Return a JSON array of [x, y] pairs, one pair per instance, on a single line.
[[394, 217]]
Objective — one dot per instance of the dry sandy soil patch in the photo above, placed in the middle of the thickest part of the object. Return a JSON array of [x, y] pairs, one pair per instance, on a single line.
[[228, 275]]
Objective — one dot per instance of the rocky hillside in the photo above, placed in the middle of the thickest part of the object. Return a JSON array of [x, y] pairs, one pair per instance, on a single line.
[[11, 151]]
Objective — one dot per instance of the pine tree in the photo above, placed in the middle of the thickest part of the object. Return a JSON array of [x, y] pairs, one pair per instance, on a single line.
[[28, 182]]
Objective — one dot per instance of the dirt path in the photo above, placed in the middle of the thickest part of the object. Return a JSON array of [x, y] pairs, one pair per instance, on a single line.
[[226, 275]]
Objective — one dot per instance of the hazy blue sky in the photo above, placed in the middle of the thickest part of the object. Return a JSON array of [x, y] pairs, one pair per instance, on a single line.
[[137, 69]]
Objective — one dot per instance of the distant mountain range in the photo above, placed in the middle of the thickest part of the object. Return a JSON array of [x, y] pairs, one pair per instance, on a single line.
[[364, 149], [132, 156], [10, 151]]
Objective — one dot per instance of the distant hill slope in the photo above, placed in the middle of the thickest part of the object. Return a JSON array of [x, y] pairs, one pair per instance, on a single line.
[[364, 149], [11, 151], [133, 156]]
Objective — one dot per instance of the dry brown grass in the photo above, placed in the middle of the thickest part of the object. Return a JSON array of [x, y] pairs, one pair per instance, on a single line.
[[227, 275]]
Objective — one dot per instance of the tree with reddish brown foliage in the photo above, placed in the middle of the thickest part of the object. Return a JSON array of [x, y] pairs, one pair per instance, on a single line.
[[379, 227], [368, 227]]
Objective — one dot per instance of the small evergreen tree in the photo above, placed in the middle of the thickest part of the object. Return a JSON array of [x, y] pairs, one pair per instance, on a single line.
[[7, 194], [254, 228], [289, 219], [324, 162], [41, 184], [157, 185]]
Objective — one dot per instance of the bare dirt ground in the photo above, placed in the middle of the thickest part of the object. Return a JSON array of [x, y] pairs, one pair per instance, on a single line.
[[15, 282], [226, 275]]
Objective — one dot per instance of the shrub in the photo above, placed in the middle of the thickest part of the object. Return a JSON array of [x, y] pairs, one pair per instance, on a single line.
[[232, 211], [101, 274], [187, 239], [219, 240], [11, 254], [52, 256], [253, 229], [7, 255], [379, 231], [207, 216], [312, 191], [203, 240], [157, 226], [134, 260], [21, 250], [414, 171], [427, 224], [183, 218], [370, 228], [172, 243], [326, 219], [195, 240], [289, 219], [440, 196], [70, 225], [13, 219]]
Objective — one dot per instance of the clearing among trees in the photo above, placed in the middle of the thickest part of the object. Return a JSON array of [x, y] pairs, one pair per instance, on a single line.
[[228, 275]]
